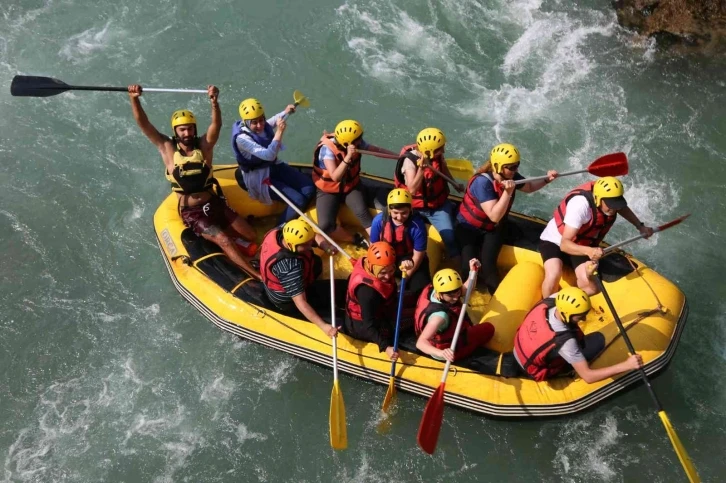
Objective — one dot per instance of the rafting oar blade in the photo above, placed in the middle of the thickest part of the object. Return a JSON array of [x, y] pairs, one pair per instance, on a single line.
[[300, 99], [671, 224], [686, 462], [613, 164], [338, 430], [460, 168], [678, 447], [662, 227], [433, 417], [36, 86]]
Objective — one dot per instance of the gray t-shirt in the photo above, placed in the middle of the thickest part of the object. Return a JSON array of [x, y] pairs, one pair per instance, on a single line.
[[569, 351]]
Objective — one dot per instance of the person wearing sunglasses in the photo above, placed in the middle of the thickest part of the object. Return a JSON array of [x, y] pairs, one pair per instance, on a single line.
[[483, 212]]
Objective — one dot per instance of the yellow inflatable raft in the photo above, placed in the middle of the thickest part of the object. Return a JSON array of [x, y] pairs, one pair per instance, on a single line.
[[652, 309]]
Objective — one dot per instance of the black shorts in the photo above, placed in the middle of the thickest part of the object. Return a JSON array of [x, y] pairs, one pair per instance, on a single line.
[[549, 250]]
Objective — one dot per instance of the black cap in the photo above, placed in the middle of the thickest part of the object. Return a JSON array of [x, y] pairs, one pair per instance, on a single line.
[[617, 203]]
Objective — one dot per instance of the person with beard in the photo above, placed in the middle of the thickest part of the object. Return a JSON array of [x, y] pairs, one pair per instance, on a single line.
[[485, 208], [371, 298], [256, 141], [188, 161], [437, 313]]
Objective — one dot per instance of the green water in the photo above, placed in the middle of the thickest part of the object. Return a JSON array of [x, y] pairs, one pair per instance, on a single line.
[[108, 375]]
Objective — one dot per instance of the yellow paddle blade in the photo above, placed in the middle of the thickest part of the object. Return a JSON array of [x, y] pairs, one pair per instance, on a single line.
[[390, 395], [300, 99], [680, 450], [338, 431], [460, 168]]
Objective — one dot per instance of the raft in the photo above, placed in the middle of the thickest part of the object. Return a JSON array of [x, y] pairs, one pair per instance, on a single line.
[[652, 309]]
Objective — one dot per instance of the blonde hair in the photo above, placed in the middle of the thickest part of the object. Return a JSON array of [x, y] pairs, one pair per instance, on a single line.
[[485, 168]]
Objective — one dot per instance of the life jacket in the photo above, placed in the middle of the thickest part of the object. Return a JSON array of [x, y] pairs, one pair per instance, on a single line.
[[399, 237], [425, 307], [322, 178], [191, 174], [537, 345], [470, 207], [433, 192], [273, 251], [247, 165], [592, 233], [360, 276]]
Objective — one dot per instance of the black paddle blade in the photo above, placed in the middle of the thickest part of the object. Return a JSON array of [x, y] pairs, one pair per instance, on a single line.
[[35, 86]]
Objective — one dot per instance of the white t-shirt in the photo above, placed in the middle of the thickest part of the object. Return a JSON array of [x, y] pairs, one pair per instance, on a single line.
[[577, 214], [569, 351], [409, 165]]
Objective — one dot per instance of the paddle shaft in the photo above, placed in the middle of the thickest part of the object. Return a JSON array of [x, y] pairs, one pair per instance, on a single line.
[[332, 320], [398, 321], [472, 284], [665, 226], [560, 175], [306, 218], [125, 89]]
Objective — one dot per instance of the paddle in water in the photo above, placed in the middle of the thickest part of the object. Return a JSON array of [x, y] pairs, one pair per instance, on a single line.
[[35, 86], [680, 450], [664, 226], [391, 392], [433, 415], [338, 430]]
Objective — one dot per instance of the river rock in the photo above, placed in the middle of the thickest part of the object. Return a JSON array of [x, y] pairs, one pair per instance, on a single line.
[[690, 24]]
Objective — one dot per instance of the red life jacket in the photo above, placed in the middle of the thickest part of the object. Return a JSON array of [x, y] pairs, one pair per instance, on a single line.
[[470, 207], [360, 276], [592, 233], [433, 192], [323, 179], [537, 345], [273, 251], [425, 307], [399, 238]]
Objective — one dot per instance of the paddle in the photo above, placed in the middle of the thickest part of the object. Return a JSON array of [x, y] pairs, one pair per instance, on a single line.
[[433, 415], [305, 217], [613, 164], [391, 393], [665, 226], [338, 431], [35, 86], [675, 440], [299, 100]]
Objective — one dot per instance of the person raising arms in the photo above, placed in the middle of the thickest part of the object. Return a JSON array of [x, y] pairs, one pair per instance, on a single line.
[[188, 161], [437, 313], [256, 141]]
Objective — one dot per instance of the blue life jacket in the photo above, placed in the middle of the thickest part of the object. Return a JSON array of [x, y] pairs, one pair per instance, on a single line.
[[247, 165]]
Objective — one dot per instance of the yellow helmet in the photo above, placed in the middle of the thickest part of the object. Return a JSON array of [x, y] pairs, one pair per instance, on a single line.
[[609, 188], [429, 140], [572, 301], [502, 155], [250, 109], [296, 232], [447, 280], [347, 131], [399, 196], [181, 117]]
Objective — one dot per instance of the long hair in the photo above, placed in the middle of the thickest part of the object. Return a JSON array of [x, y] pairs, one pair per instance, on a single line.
[[485, 168]]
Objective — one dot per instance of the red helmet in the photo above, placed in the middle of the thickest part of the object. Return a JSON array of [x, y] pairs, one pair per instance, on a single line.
[[380, 255]]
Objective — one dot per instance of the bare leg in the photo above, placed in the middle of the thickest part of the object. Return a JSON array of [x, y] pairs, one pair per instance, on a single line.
[[243, 229], [228, 246], [553, 273], [340, 234]]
